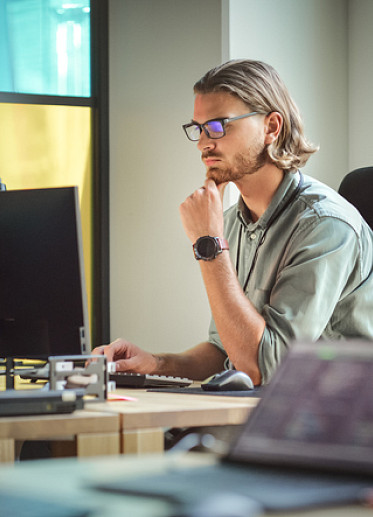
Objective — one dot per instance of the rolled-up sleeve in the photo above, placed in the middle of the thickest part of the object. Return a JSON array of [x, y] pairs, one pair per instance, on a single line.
[[320, 270]]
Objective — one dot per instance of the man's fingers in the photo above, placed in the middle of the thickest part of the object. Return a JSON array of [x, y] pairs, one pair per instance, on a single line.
[[221, 189], [209, 183]]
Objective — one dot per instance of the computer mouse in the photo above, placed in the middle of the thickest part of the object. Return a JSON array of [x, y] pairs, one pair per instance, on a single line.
[[228, 380]]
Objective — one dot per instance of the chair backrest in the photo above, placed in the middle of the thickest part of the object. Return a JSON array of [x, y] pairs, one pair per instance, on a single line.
[[357, 188]]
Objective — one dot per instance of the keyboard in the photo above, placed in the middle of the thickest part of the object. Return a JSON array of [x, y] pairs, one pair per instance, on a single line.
[[139, 380], [122, 379]]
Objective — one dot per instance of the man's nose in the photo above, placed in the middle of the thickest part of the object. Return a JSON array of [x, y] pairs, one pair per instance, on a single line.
[[205, 143]]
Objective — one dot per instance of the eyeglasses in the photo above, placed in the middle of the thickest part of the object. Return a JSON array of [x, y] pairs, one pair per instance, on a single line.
[[213, 128]]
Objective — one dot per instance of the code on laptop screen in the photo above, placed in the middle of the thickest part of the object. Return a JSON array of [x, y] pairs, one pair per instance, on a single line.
[[319, 407]]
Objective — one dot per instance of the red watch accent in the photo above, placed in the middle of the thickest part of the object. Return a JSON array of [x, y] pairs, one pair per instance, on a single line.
[[223, 243]]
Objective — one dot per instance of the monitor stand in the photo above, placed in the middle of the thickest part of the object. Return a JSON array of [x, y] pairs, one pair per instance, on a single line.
[[9, 373]]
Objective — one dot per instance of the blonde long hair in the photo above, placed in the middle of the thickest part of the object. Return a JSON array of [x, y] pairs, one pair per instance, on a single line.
[[260, 87]]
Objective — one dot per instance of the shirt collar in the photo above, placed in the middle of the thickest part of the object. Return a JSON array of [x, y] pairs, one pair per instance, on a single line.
[[281, 197]]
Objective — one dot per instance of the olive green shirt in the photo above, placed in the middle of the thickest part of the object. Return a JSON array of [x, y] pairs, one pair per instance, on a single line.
[[306, 265]]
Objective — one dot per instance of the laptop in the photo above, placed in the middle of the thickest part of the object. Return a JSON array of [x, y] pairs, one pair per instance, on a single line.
[[308, 442], [40, 402]]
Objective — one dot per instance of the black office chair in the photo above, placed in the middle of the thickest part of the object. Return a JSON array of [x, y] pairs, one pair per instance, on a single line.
[[357, 188]]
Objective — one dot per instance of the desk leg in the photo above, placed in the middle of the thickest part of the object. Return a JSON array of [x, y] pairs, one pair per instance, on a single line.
[[98, 444], [143, 441], [7, 450]]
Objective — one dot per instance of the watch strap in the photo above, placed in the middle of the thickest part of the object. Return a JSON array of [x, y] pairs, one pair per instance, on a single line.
[[223, 243]]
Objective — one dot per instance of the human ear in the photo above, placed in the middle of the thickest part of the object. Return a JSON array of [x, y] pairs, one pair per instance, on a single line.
[[273, 124]]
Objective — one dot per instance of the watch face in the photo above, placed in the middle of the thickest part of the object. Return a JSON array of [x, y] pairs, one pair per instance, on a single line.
[[207, 247]]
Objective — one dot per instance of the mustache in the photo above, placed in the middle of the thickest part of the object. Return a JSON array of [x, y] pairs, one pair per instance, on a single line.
[[210, 155]]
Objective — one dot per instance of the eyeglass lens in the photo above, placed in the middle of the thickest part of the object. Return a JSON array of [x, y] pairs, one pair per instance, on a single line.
[[214, 129]]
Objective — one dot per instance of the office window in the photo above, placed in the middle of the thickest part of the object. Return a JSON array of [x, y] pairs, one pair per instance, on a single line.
[[45, 47], [53, 118]]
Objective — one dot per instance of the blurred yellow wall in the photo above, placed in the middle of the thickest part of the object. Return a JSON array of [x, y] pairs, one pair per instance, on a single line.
[[50, 146]]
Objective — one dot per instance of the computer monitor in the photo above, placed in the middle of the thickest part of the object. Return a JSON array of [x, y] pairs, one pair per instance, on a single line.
[[43, 302]]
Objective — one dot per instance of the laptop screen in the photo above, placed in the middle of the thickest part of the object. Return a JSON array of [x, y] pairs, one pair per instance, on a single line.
[[316, 412]]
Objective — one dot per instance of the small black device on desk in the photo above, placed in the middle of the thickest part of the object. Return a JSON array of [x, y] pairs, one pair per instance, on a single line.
[[38, 402]]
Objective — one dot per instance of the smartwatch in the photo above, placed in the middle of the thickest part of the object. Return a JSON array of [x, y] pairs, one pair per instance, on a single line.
[[208, 248]]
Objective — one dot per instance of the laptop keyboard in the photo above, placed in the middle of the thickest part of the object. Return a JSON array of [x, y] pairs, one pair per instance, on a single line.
[[272, 488], [22, 506]]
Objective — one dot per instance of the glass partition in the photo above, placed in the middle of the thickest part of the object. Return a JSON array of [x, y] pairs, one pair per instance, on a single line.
[[45, 47]]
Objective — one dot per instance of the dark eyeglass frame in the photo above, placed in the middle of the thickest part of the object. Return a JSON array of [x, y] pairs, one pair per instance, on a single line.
[[223, 121]]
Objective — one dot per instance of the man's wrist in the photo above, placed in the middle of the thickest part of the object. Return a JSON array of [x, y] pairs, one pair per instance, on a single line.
[[158, 364]]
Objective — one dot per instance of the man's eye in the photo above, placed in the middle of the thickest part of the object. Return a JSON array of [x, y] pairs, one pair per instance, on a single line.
[[215, 126]]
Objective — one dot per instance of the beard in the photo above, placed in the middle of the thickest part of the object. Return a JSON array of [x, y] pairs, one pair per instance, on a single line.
[[243, 164]]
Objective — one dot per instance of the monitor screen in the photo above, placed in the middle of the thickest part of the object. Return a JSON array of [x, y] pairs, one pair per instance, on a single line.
[[43, 303]]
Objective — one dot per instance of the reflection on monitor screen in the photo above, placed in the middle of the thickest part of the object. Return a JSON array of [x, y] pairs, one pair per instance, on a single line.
[[43, 303]]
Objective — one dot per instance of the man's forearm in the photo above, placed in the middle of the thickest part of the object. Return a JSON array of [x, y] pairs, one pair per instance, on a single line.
[[197, 363], [238, 323]]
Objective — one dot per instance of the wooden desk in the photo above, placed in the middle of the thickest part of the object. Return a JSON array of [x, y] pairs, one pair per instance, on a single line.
[[70, 481], [94, 433], [142, 422]]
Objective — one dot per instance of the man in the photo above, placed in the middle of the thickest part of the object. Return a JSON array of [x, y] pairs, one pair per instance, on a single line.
[[299, 263]]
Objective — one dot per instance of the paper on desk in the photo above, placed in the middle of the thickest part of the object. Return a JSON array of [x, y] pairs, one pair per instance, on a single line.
[[114, 397]]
